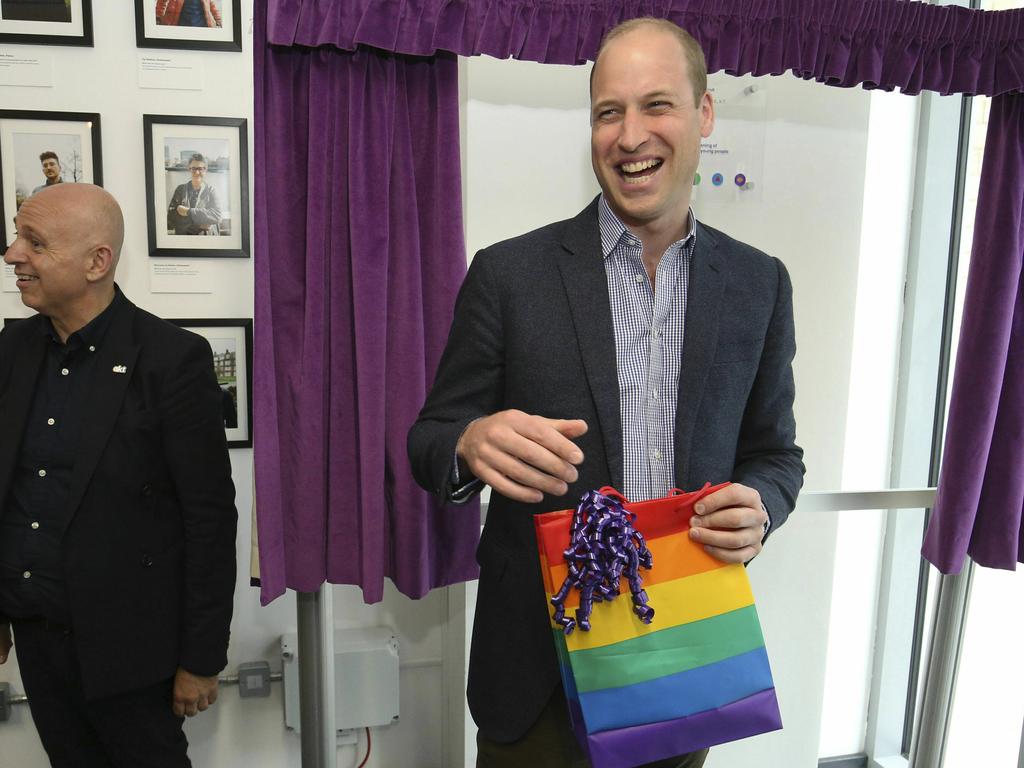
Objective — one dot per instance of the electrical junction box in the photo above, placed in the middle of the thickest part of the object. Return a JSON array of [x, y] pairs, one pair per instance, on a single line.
[[365, 678]]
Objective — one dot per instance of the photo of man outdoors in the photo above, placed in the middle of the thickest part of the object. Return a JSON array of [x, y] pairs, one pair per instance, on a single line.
[[51, 170], [194, 208]]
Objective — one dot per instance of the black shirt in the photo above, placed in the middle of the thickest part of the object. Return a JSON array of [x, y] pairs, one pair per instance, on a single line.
[[35, 514]]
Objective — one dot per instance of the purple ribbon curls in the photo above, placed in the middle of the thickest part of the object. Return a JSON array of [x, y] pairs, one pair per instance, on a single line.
[[603, 546]]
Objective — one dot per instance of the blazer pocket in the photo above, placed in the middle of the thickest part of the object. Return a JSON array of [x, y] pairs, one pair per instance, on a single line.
[[738, 350], [139, 420], [493, 561]]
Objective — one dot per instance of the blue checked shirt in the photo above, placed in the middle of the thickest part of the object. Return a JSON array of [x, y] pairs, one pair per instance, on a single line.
[[648, 327], [648, 323]]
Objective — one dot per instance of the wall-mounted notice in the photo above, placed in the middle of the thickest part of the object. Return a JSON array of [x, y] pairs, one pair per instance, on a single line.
[[179, 277], [30, 69], [179, 71], [9, 281], [732, 157]]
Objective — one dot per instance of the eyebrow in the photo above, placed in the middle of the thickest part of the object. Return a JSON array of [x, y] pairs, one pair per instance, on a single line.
[[659, 94]]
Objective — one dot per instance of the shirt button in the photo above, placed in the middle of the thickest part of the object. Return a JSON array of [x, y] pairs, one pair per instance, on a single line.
[[654, 394], [657, 454], [659, 333], [35, 526], [27, 575], [639, 278], [51, 422], [92, 348], [42, 473], [64, 371]]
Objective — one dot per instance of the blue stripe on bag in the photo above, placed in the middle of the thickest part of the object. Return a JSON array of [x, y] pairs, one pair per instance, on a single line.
[[678, 695]]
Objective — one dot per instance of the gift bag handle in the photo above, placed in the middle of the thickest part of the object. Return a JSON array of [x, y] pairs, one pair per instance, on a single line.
[[607, 490], [680, 492]]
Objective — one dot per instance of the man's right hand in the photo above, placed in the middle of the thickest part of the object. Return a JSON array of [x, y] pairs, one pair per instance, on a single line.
[[522, 456], [5, 641]]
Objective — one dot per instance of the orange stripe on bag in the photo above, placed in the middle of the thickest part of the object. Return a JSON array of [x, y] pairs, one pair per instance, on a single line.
[[675, 557]]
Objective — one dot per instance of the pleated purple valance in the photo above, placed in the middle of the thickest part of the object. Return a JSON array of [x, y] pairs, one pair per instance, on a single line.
[[913, 46]]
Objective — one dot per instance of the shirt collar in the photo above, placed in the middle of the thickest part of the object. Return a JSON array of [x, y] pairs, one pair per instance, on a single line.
[[613, 230], [92, 333]]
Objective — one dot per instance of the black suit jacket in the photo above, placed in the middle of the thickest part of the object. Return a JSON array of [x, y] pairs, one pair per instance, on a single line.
[[149, 554], [533, 331]]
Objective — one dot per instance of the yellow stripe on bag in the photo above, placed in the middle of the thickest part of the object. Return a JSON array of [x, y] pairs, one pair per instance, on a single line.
[[675, 602]]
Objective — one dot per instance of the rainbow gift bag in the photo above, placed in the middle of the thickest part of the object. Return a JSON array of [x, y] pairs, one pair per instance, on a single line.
[[696, 675]]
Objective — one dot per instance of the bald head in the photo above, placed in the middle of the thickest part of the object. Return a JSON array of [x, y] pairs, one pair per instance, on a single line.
[[692, 54], [89, 211]]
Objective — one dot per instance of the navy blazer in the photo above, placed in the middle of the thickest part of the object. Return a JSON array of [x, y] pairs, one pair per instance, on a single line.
[[533, 331], [149, 554]]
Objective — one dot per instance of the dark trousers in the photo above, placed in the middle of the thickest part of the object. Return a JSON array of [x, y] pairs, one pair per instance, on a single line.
[[550, 743], [131, 730]]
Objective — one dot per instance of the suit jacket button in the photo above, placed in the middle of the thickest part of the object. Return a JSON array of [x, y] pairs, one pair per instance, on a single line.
[[147, 561], [147, 490]]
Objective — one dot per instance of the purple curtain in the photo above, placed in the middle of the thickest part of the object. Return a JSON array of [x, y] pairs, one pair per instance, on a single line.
[[358, 257], [981, 487], [887, 44]]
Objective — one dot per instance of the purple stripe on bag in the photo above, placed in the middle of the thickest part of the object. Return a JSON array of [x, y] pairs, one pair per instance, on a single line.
[[639, 744]]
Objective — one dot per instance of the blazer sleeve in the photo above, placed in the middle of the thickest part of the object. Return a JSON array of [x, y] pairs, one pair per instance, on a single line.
[[196, 455], [767, 457], [470, 378]]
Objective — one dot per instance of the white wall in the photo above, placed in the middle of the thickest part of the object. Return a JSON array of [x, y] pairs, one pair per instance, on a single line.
[[238, 733]]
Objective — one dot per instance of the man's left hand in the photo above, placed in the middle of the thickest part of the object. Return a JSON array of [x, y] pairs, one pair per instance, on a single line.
[[730, 523], [6, 643], [192, 693]]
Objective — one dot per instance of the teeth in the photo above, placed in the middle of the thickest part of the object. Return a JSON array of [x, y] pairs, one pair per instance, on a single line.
[[639, 166]]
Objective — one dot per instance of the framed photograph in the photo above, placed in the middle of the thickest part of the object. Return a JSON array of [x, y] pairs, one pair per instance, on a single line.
[[46, 22], [197, 186], [42, 148], [231, 341], [203, 25]]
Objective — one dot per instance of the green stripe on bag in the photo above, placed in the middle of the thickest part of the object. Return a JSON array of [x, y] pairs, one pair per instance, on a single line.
[[668, 651]]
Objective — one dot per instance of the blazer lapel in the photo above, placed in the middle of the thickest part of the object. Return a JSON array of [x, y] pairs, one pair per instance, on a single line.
[[586, 287], [16, 401], [703, 308], [115, 367]]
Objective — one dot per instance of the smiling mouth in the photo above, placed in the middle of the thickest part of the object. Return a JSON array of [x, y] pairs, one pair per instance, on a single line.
[[26, 278], [640, 171]]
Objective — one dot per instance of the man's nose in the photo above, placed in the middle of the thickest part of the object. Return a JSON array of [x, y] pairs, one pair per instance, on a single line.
[[12, 254], [634, 131]]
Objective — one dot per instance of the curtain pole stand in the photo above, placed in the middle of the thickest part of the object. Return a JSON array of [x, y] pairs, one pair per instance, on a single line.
[[315, 612]]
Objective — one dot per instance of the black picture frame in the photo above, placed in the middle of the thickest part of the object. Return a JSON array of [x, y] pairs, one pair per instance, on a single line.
[[151, 33], [169, 141], [18, 147], [41, 31], [236, 336]]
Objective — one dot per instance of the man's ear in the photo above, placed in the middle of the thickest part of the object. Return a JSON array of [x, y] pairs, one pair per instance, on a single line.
[[100, 263], [707, 114]]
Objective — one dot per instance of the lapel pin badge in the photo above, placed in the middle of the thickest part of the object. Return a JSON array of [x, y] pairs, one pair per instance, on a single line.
[[120, 369]]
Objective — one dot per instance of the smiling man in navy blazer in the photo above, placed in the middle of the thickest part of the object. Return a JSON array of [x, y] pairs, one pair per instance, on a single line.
[[567, 369], [117, 517]]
